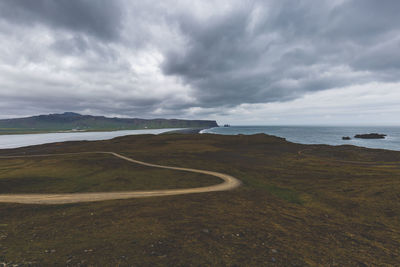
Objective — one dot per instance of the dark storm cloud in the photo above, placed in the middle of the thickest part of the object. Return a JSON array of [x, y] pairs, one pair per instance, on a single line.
[[100, 18], [179, 58], [80, 46], [243, 56], [364, 20], [382, 58]]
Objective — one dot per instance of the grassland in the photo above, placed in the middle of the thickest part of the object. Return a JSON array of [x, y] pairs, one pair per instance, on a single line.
[[89, 173], [299, 205]]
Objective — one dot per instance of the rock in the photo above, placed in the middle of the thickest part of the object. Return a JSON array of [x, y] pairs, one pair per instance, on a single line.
[[370, 136], [206, 231], [274, 251], [346, 138]]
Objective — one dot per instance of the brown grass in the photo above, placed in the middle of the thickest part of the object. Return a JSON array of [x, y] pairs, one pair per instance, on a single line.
[[330, 206]]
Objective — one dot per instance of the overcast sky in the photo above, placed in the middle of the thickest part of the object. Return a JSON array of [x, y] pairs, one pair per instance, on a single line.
[[239, 62]]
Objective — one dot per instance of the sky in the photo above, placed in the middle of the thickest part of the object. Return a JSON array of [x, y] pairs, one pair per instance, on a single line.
[[267, 62]]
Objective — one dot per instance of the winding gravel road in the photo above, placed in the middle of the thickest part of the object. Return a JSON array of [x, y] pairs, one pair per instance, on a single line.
[[229, 183]]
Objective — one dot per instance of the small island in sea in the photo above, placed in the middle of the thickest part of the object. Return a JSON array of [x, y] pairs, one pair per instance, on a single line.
[[370, 136]]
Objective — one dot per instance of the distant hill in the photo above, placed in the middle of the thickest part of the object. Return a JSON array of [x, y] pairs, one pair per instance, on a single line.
[[70, 121]]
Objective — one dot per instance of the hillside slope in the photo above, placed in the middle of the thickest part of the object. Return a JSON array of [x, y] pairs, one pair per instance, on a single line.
[[74, 121]]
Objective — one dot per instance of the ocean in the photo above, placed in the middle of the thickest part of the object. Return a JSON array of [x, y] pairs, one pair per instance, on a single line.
[[21, 140], [298, 134], [329, 135]]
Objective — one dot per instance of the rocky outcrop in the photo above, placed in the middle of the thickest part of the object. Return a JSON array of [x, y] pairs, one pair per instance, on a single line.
[[370, 136]]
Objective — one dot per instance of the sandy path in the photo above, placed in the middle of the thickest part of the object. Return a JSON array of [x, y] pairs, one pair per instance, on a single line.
[[229, 183]]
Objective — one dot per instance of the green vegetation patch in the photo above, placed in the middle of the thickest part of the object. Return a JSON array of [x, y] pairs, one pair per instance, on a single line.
[[286, 194]]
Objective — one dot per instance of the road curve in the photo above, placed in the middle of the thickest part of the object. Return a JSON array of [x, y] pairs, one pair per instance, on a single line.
[[229, 183]]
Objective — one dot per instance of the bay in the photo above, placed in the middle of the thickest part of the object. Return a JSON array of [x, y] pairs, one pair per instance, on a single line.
[[21, 140], [330, 135]]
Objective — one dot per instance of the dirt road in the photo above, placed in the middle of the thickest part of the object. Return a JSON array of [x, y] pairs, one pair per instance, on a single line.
[[229, 183]]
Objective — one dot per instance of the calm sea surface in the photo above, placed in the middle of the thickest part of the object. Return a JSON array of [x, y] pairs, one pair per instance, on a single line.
[[297, 134], [320, 135], [20, 140]]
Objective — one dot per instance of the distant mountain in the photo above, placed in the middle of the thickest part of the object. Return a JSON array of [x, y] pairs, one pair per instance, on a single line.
[[70, 121]]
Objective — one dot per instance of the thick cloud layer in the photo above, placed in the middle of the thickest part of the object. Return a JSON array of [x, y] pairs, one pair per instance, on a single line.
[[281, 50], [203, 59], [101, 19]]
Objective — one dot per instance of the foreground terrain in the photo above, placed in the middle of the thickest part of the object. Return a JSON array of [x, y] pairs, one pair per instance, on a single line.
[[298, 205], [88, 172], [46, 198]]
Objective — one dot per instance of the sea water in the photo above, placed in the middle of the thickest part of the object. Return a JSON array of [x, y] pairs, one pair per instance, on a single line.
[[320, 135], [21, 140]]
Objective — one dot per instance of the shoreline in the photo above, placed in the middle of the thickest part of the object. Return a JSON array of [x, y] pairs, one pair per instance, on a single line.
[[194, 131], [321, 135], [79, 131], [19, 140], [186, 131]]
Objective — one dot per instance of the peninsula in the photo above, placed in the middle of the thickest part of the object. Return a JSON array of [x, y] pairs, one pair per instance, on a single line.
[[74, 122]]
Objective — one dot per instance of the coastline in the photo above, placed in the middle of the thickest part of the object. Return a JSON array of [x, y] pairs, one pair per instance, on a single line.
[[186, 131], [78, 131], [321, 135], [194, 131], [198, 131], [20, 140]]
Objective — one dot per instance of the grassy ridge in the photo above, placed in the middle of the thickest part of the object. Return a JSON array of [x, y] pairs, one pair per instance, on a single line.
[[299, 206]]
